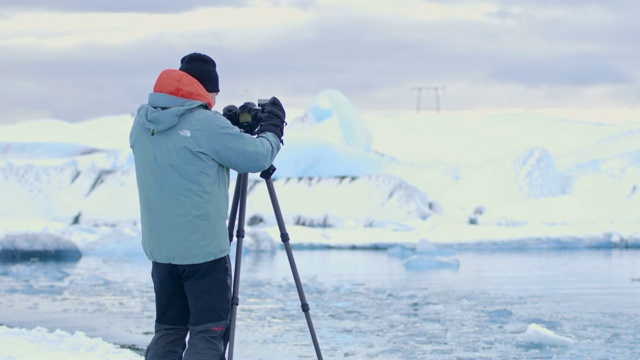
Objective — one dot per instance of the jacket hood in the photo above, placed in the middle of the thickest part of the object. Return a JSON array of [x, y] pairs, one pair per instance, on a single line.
[[175, 94], [179, 83], [164, 111]]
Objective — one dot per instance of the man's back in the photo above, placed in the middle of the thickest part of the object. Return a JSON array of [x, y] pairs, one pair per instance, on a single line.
[[183, 153]]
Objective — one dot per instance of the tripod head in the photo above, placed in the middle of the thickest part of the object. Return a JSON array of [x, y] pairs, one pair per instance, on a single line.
[[266, 174]]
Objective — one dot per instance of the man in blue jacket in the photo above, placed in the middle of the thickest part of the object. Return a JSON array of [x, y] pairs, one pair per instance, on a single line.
[[183, 151]]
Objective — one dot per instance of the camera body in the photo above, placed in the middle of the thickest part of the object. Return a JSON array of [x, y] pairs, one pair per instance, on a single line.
[[247, 117]]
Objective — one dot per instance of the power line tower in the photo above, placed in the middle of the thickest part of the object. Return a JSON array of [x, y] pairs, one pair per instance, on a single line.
[[435, 89]]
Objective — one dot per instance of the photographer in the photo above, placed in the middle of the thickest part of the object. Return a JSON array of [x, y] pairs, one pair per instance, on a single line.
[[183, 152]]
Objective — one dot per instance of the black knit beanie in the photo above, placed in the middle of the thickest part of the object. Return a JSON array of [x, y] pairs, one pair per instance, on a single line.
[[203, 69]]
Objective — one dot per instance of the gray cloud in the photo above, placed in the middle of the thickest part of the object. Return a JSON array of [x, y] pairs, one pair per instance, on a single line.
[[573, 70], [144, 6], [373, 59]]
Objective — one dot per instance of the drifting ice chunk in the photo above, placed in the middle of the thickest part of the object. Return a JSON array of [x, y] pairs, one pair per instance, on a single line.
[[425, 246], [539, 335], [424, 262], [399, 251], [39, 247], [259, 241]]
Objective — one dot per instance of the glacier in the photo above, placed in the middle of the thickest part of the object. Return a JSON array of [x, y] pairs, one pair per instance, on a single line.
[[456, 179]]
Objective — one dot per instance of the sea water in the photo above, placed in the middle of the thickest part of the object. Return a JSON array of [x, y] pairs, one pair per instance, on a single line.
[[365, 304]]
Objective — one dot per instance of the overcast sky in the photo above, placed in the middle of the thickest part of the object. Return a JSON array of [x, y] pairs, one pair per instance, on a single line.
[[78, 59]]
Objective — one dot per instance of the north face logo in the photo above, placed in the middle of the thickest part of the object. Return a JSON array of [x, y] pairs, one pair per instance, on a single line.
[[186, 133]]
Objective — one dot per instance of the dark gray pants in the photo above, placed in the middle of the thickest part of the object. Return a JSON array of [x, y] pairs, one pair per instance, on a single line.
[[192, 310]]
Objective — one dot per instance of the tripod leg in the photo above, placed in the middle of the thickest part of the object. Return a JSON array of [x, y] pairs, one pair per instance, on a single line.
[[234, 207], [284, 236], [241, 206]]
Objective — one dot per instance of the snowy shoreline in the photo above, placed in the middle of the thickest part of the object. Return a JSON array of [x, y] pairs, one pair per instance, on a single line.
[[41, 343]]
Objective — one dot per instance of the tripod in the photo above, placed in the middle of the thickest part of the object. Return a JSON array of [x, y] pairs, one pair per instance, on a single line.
[[238, 208]]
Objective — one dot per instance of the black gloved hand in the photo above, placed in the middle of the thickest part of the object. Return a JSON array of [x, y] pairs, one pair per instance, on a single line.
[[273, 116], [231, 113]]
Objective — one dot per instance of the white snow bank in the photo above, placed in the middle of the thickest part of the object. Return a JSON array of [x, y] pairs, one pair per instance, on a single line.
[[100, 133], [370, 201], [525, 174], [39, 343], [42, 150]]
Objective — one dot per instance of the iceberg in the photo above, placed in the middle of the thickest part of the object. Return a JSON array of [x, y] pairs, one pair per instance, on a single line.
[[37, 247], [538, 335]]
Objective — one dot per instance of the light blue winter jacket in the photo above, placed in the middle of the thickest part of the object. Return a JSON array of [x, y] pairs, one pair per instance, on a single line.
[[183, 152]]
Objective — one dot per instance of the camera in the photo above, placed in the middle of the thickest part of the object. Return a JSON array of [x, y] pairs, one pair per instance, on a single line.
[[247, 117]]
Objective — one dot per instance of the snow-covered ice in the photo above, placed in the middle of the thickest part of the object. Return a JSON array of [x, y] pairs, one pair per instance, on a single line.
[[420, 187], [541, 336], [25, 247], [41, 343]]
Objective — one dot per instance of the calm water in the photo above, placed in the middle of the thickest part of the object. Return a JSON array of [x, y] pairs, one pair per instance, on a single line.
[[364, 304]]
